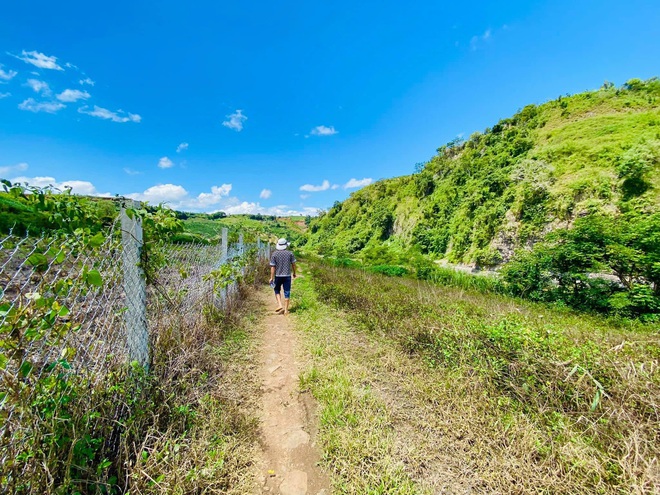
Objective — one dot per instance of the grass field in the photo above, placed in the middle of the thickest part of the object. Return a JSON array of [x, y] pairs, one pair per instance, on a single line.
[[427, 389]]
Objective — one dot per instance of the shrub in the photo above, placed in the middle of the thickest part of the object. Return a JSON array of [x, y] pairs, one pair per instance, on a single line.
[[390, 270]]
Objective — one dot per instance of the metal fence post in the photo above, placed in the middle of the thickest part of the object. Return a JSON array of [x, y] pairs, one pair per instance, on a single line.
[[135, 287], [241, 250], [223, 260], [225, 246]]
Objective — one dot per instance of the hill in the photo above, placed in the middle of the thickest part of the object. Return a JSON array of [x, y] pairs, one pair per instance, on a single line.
[[506, 187], [575, 181]]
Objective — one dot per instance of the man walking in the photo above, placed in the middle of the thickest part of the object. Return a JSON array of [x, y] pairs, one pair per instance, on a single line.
[[282, 268]]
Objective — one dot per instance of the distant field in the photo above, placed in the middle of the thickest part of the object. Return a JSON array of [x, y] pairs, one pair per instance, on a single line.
[[289, 227]]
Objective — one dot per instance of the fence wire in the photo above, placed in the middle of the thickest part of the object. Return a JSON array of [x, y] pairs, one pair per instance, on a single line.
[[68, 310]]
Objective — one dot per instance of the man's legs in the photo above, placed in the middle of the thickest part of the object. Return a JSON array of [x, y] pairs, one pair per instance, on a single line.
[[286, 282], [278, 295]]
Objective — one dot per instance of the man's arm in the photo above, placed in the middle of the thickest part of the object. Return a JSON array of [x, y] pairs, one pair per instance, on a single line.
[[293, 269], [272, 274]]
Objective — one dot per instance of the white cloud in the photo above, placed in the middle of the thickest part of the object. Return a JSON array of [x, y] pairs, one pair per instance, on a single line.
[[19, 167], [45, 106], [182, 147], [130, 171], [86, 81], [83, 187], [304, 196], [38, 86], [177, 197], [165, 162], [322, 130], [204, 200], [477, 40], [217, 199], [311, 188], [7, 75], [104, 113], [4, 95], [353, 183], [278, 211], [235, 121], [335, 186], [39, 60], [265, 194], [162, 193], [77, 186], [73, 95]]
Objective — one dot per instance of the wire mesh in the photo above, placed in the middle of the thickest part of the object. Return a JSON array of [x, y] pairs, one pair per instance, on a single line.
[[69, 309]]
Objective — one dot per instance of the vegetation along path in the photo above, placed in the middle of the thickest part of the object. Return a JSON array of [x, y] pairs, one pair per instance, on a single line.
[[290, 459], [424, 389]]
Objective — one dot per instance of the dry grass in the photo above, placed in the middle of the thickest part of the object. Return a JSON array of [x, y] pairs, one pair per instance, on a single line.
[[356, 432], [481, 394], [188, 426], [211, 395]]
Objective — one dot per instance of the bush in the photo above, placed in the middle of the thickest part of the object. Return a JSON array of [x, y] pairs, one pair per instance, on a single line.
[[345, 263], [390, 270]]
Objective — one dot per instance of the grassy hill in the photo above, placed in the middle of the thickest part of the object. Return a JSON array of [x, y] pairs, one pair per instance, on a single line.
[[556, 193], [481, 199]]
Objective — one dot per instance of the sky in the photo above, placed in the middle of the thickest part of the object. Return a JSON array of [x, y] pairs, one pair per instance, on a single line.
[[285, 107]]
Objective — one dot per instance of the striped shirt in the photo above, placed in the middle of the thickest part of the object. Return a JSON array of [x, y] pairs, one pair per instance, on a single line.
[[282, 261]]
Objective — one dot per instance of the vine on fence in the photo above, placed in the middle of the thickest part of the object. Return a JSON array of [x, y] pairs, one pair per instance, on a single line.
[[67, 399]]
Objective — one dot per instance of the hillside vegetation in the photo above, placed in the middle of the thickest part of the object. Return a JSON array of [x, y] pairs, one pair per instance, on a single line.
[[590, 160]]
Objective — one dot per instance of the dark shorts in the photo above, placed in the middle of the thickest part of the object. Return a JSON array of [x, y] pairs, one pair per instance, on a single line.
[[283, 282]]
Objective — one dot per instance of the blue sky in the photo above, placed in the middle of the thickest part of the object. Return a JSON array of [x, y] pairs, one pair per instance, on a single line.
[[283, 107]]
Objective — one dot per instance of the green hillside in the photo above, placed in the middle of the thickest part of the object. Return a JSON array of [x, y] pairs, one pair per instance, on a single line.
[[588, 163], [502, 188]]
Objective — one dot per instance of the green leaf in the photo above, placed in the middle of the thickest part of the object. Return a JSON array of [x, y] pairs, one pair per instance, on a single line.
[[61, 256], [25, 369], [97, 240], [596, 401], [93, 277], [38, 261]]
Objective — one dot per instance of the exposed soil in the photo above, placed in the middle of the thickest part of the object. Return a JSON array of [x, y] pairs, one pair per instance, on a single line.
[[290, 457]]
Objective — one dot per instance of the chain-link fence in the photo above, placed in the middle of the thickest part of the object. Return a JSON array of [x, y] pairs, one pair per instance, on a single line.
[[74, 309]]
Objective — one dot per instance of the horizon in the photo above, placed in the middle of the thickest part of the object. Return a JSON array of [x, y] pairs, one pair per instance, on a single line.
[[283, 110]]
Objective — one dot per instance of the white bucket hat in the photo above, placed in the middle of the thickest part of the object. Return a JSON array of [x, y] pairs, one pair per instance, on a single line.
[[282, 244]]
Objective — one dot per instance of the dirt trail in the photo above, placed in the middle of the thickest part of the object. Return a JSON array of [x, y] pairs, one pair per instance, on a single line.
[[290, 457]]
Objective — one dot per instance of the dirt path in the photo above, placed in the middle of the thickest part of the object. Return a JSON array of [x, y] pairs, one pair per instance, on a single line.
[[290, 458]]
